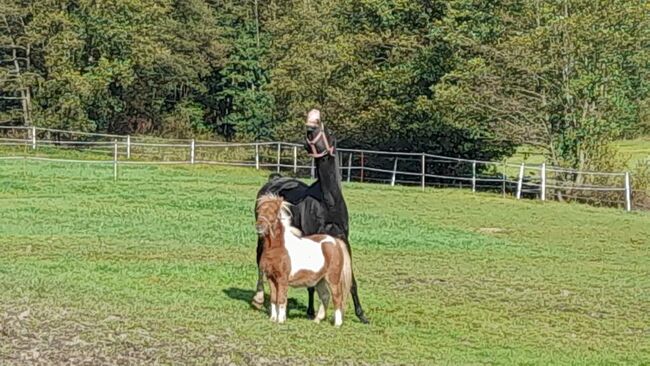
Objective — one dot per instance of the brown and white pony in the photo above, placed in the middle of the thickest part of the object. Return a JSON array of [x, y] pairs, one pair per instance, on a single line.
[[289, 259]]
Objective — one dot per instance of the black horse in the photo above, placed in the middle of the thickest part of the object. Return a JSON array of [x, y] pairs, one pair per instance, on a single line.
[[318, 208]]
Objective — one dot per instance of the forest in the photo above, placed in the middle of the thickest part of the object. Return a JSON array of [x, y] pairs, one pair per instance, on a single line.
[[463, 78]]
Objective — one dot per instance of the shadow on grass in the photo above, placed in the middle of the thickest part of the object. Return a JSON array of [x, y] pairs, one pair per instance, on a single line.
[[298, 309]]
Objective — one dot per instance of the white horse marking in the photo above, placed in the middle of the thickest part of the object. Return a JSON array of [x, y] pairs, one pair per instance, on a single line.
[[313, 116], [321, 314], [274, 313], [282, 314], [304, 254], [338, 318]]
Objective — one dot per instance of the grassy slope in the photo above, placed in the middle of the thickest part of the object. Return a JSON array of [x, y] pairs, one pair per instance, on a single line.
[[160, 266], [637, 151]]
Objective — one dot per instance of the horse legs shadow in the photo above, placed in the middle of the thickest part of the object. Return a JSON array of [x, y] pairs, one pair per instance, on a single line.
[[246, 296]]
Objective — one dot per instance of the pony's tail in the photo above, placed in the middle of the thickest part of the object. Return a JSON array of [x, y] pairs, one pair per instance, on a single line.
[[346, 272]]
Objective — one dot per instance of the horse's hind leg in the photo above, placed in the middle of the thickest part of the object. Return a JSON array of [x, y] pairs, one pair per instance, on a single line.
[[324, 296], [358, 310], [310, 306], [258, 299]]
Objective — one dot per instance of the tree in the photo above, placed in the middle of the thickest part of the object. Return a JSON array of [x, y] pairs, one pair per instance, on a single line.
[[15, 74], [563, 76], [118, 65], [370, 66], [244, 103]]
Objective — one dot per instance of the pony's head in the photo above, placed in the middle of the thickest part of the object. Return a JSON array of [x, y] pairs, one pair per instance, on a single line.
[[272, 212], [319, 141]]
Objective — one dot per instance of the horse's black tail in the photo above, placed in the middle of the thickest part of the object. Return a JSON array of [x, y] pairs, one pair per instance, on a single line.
[[274, 176]]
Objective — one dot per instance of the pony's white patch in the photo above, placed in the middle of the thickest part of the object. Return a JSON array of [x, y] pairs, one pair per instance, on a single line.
[[282, 313], [338, 318], [274, 313], [304, 254], [321, 314], [295, 231]]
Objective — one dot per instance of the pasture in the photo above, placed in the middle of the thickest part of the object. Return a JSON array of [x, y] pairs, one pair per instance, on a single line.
[[159, 267]]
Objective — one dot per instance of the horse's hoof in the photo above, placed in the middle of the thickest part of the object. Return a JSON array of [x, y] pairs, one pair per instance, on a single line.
[[311, 315], [257, 305], [363, 319]]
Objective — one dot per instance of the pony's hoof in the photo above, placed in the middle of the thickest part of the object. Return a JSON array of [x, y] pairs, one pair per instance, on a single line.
[[258, 300], [274, 319]]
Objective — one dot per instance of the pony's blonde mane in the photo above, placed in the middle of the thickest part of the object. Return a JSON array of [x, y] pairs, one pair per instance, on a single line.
[[285, 210]]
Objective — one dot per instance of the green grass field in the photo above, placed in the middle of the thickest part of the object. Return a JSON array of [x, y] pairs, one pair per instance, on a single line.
[[638, 150], [634, 151], [159, 267]]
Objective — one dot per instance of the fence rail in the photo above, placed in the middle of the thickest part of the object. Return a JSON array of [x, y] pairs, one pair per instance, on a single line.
[[538, 181]]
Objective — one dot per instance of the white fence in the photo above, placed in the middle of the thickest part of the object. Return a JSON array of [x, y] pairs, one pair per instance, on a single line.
[[537, 181]]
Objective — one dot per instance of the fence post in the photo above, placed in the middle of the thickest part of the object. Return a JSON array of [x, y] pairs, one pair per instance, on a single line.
[[33, 137], [520, 181], [312, 169], [473, 176], [504, 177], [349, 165], [257, 156], [279, 147], [128, 146], [543, 187], [392, 181], [192, 152], [628, 193], [424, 175], [115, 159], [295, 159], [362, 167]]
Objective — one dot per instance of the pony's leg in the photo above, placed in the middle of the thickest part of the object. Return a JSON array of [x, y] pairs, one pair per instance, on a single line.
[[258, 299], [324, 295], [283, 288], [310, 305], [337, 299], [274, 299]]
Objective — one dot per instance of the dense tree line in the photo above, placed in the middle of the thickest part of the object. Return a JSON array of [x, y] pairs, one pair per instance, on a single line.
[[467, 78]]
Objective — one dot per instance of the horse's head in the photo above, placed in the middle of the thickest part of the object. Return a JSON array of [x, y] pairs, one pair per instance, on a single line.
[[272, 212], [319, 141]]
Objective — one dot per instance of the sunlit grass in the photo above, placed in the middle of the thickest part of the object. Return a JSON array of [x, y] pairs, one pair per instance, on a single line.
[[637, 150], [633, 151], [160, 266]]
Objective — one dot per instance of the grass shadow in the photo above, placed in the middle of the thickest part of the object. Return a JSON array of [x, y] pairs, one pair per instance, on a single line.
[[297, 308]]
